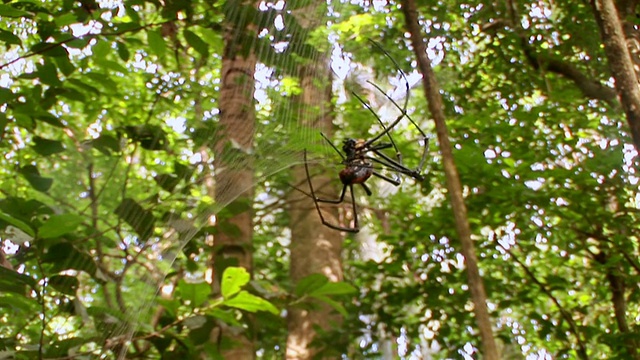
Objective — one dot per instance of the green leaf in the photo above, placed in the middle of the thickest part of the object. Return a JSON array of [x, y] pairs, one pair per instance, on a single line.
[[64, 283], [10, 11], [172, 305], [197, 43], [6, 95], [64, 65], [310, 283], [150, 137], [3, 123], [200, 328], [167, 181], [334, 288], [61, 348], [64, 256], [32, 175], [182, 171], [233, 279], [65, 19], [226, 315], [46, 147], [106, 144], [104, 80], [84, 87], [509, 162], [142, 221], [48, 118], [7, 286], [248, 302], [79, 43], [195, 293], [17, 302], [49, 49], [24, 121], [71, 94], [123, 51], [101, 49], [17, 223], [156, 43], [112, 65], [58, 225], [9, 38], [48, 73], [12, 281], [334, 304]]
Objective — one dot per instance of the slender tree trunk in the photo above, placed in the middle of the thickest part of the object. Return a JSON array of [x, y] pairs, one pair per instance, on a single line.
[[617, 287], [233, 166], [431, 89], [314, 247], [620, 63], [622, 67]]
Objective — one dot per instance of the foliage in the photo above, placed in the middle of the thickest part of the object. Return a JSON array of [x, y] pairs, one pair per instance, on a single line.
[[108, 115]]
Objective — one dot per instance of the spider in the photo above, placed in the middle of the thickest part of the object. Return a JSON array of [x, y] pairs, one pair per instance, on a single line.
[[361, 159]]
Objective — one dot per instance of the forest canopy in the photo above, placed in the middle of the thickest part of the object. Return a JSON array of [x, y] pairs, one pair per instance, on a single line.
[[319, 180]]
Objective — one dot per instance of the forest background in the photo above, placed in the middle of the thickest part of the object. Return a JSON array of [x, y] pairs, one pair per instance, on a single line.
[[151, 150]]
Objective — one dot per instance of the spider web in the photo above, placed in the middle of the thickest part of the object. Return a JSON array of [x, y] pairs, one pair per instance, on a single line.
[[283, 131]]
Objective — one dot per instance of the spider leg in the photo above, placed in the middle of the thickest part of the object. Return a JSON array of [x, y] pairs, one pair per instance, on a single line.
[[404, 76], [313, 192], [356, 226], [384, 128], [333, 146], [404, 113], [379, 147], [393, 182], [396, 166], [366, 188], [317, 200], [329, 201], [403, 110], [386, 131]]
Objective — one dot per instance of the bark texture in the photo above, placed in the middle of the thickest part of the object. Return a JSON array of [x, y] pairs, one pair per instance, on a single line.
[[620, 63], [234, 171], [454, 187], [314, 247]]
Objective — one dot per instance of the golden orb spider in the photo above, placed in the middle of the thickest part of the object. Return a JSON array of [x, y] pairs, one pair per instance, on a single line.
[[361, 158]]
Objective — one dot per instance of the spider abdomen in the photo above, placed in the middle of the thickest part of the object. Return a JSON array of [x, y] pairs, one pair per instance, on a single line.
[[356, 174]]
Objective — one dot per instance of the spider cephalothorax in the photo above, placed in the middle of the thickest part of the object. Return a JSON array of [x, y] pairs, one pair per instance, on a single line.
[[353, 148], [358, 168]]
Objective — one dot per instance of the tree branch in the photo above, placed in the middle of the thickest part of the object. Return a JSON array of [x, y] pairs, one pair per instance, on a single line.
[[591, 88], [582, 350], [52, 46]]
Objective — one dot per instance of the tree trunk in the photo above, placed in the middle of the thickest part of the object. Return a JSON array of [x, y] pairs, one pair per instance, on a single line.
[[620, 63], [617, 287], [431, 90], [314, 247], [233, 166]]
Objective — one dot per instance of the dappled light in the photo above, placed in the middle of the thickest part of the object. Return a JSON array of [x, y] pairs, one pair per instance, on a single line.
[[319, 180]]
